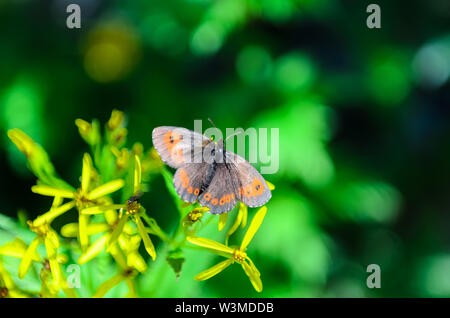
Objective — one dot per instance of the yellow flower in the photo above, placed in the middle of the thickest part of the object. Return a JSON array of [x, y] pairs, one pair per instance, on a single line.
[[131, 209], [9, 289], [134, 209], [122, 157], [138, 149], [233, 254], [81, 198], [126, 274], [23, 142], [116, 120], [89, 132], [38, 160], [17, 249], [128, 242], [130, 246], [241, 220], [49, 238], [50, 289]]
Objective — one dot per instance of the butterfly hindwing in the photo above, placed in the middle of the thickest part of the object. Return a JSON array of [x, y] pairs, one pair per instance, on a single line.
[[188, 180], [219, 195], [250, 187], [177, 146]]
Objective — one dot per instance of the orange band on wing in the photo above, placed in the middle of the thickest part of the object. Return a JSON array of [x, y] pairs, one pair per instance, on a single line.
[[184, 179], [255, 189], [171, 139]]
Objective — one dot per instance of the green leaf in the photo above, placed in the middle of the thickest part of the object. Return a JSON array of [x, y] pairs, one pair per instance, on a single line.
[[175, 258]]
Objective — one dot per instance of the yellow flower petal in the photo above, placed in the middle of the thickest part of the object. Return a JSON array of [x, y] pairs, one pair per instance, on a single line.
[[53, 237], [16, 248], [52, 191], [271, 186], [94, 249], [253, 276], [98, 209], [111, 216], [116, 119], [50, 248], [95, 228], [22, 141], [147, 242], [6, 278], [254, 226], [106, 286], [118, 256], [137, 174], [70, 230], [82, 231], [253, 266], [222, 220], [244, 210], [53, 213], [86, 172], [57, 201], [26, 260], [210, 272], [62, 258], [92, 210], [83, 126], [136, 261], [204, 242], [235, 225], [117, 231], [55, 268], [129, 244], [105, 189]]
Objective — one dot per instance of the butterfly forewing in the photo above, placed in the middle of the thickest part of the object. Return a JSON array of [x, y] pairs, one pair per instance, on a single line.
[[177, 146]]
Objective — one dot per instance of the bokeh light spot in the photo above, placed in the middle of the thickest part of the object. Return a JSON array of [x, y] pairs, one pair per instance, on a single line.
[[389, 78], [207, 38], [254, 64], [434, 276], [294, 72], [112, 52], [431, 64]]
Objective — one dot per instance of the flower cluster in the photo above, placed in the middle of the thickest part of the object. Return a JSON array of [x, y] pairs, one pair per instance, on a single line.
[[111, 219]]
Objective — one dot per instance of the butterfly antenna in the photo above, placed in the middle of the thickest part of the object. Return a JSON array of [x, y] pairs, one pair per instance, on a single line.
[[236, 133], [212, 123]]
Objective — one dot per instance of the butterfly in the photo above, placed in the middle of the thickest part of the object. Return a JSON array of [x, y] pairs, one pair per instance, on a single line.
[[206, 172]]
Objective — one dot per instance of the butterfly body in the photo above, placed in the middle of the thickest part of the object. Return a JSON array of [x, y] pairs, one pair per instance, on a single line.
[[207, 172]]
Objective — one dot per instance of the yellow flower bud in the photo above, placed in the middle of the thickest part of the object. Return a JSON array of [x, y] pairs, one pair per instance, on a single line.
[[116, 120]]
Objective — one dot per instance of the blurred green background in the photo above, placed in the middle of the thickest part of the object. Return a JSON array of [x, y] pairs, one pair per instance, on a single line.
[[363, 114]]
